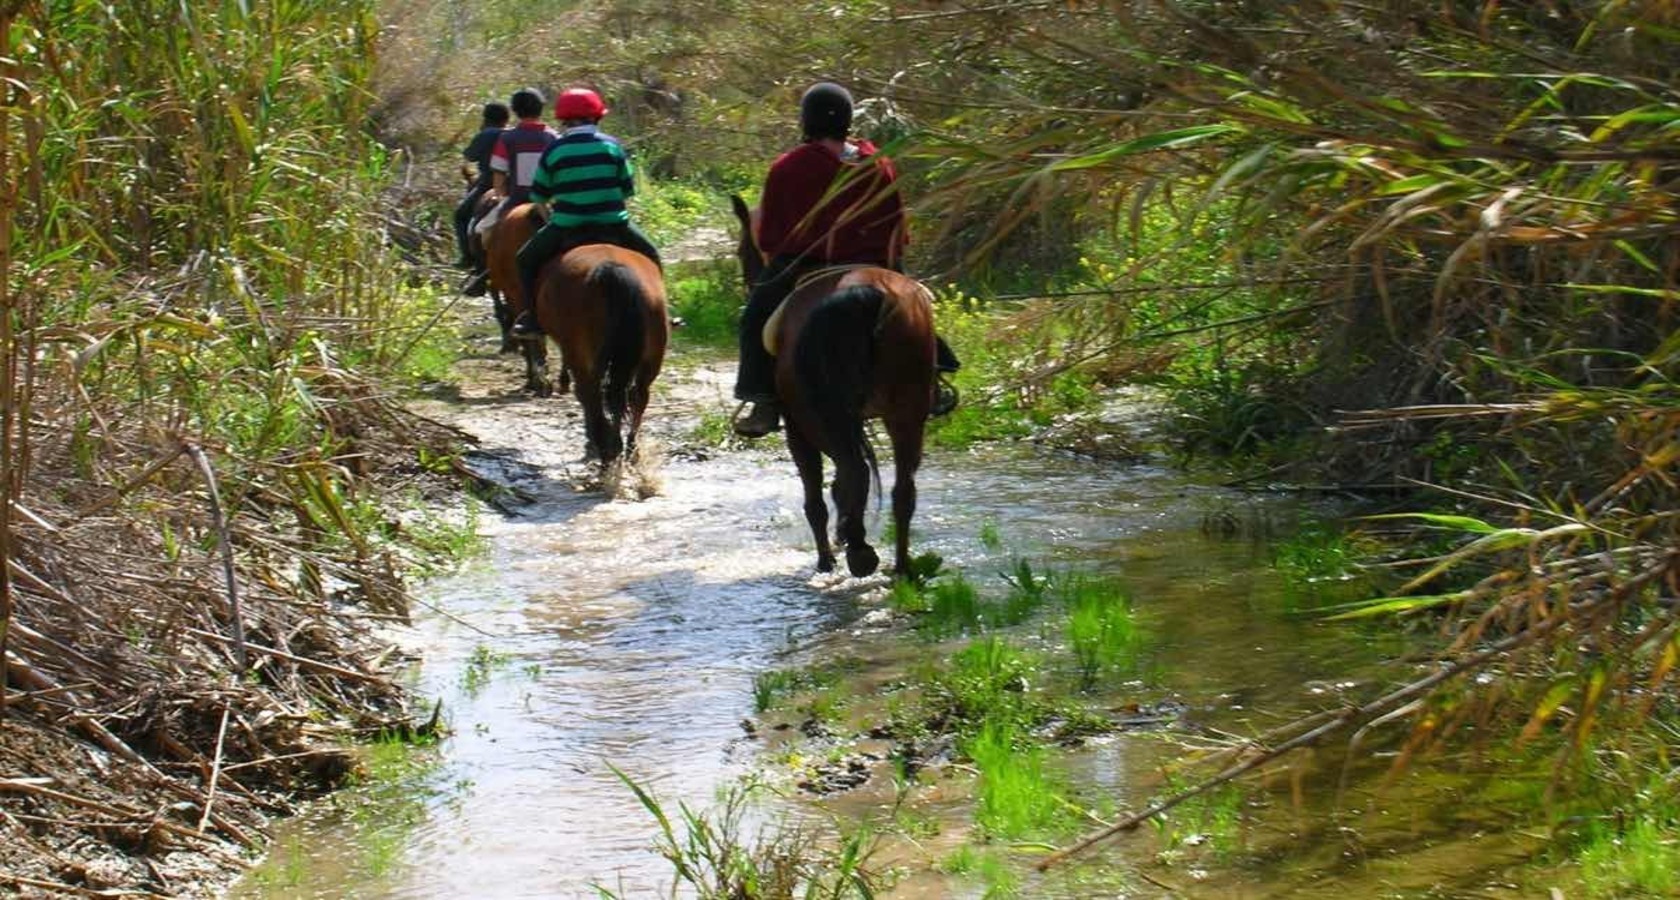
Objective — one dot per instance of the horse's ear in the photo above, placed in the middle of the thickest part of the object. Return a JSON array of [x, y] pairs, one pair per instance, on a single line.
[[740, 207]]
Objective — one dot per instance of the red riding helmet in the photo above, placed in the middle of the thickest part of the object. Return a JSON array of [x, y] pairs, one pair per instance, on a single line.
[[579, 103]]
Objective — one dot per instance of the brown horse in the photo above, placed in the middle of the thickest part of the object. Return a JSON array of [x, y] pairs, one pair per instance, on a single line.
[[852, 344], [505, 239], [604, 306]]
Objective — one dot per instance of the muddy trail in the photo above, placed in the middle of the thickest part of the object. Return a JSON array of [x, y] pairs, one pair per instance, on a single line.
[[620, 627]]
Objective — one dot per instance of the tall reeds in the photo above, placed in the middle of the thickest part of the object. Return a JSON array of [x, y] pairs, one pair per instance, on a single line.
[[199, 265]]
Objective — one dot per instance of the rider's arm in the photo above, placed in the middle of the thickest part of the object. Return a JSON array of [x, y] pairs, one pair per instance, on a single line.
[[627, 174], [782, 205], [542, 182]]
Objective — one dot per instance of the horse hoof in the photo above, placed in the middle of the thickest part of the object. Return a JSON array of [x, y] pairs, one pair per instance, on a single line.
[[862, 559], [825, 564]]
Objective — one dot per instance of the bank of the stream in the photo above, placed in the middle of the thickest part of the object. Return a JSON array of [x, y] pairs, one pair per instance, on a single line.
[[682, 640]]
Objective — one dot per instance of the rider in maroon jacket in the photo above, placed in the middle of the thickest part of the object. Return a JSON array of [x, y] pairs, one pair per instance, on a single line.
[[833, 200]]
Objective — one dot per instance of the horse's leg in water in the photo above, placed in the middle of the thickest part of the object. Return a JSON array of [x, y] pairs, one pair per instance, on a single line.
[[637, 401], [604, 442], [851, 493], [906, 435], [810, 465]]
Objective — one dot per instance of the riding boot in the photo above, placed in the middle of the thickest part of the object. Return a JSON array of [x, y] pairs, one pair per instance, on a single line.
[[755, 376], [476, 284], [526, 325], [531, 257], [463, 221], [764, 418]]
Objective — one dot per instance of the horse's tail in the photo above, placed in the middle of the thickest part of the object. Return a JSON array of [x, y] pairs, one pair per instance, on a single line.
[[834, 368], [621, 346]]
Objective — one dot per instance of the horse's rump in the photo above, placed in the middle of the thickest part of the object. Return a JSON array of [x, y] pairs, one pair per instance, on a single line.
[[604, 305]]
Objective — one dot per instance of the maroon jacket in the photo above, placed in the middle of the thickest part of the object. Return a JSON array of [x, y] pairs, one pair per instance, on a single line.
[[861, 222]]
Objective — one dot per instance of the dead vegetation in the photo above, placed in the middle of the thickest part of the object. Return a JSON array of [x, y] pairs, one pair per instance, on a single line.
[[203, 474]]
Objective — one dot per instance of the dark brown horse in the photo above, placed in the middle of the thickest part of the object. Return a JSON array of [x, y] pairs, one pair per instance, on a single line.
[[506, 237], [604, 306], [851, 344]]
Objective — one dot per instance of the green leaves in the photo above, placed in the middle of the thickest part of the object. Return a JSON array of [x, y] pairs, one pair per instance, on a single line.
[[1178, 138]]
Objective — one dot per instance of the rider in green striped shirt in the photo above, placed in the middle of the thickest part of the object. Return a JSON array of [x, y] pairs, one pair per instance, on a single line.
[[584, 177]]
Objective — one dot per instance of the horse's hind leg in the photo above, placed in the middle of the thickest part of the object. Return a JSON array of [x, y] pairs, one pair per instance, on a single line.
[[810, 465], [536, 367], [851, 493], [637, 405], [602, 442], [504, 320], [906, 436]]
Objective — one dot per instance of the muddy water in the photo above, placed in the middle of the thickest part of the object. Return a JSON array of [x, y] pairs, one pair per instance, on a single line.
[[599, 632]]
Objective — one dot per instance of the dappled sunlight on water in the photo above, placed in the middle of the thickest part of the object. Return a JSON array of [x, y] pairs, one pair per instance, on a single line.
[[602, 632]]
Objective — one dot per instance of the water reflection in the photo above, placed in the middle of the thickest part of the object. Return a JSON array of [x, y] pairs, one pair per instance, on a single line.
[[628, 633]]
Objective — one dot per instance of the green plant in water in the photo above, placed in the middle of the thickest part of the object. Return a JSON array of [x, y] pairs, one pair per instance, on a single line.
[[1640, 858], [1101, 630], [711, 854], [771, 687], [991, 869], [1016, 797], [481, 667]]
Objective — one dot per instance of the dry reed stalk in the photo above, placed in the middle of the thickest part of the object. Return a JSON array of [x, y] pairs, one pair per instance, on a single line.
[[9, 86]]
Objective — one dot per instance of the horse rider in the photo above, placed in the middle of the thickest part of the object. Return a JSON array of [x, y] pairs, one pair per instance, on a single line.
[[832, 200], [477, 154], [513, 165], [585, 178]]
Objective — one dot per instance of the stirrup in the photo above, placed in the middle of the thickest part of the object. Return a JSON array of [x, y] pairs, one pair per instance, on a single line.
[[945, 397], [476, 284], [754, 424], [526, 327]]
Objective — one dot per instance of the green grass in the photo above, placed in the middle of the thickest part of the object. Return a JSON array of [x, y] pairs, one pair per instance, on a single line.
[[669, 209], [948, 604], [713, 855], [1016, 797], [708, 298], [1101, 631], [990, 868], [1640, 858], [481, 668], [771, 688]]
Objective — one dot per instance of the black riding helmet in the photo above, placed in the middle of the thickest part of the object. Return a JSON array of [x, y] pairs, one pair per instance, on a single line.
[[495, 114], [826, 111], [528, 103]]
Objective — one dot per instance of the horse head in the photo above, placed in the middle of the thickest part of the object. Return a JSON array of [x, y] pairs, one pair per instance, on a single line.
[[746, 249]]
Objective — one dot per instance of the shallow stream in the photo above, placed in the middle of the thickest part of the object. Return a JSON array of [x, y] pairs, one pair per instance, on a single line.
[[596, 633]]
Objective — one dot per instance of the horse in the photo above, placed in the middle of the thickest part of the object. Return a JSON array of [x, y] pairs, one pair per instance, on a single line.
[[506, 237], [604, 306], [852, 343]]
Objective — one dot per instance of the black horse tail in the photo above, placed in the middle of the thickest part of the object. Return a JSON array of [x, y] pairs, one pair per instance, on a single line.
[[834, 368], [621, 346]]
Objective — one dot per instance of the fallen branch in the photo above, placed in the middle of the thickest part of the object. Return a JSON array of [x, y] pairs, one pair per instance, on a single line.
[[26, 881], [215, 773], [303, 661], [226, 541]]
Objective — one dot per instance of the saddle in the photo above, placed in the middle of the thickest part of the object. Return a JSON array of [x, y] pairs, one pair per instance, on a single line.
[[807, 279]]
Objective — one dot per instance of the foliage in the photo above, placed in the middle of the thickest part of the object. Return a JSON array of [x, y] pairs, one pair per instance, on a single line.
[[712, 856], [707, 297], [1100, 628]]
